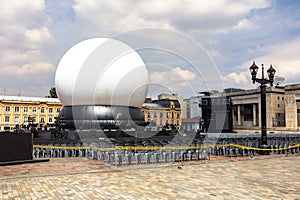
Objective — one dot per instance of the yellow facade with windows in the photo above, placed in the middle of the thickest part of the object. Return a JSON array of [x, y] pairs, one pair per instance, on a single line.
[[17, 110], [160, 116]]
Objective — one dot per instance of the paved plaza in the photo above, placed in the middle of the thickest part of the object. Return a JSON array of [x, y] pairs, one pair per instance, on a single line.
[[263, 177]]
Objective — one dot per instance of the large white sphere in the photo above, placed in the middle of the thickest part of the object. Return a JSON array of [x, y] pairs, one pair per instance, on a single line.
[[101, 71]]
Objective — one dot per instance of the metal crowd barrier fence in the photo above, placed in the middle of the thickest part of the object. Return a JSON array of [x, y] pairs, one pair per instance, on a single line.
[[127, 155]]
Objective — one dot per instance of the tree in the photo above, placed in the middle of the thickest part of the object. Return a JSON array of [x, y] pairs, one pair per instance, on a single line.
[[52, 93], [278, 80]]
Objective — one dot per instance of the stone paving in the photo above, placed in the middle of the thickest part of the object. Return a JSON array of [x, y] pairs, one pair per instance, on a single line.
[[263, 177]]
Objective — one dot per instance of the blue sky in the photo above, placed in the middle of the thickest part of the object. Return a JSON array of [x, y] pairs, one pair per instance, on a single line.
[[35, 34]]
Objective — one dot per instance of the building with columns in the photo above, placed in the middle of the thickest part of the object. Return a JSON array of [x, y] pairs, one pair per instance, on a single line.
[[283, 109]]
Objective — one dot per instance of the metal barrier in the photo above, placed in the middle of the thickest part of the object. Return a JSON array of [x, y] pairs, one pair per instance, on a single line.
[[129, 155]]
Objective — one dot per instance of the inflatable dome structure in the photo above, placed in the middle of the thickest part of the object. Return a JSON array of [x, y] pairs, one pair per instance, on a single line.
[[101, 83]]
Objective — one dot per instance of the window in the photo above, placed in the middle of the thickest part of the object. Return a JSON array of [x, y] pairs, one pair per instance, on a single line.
[[278, 105], [161, 114], [34, 110], [155, 114], [33, 119], [42, 120], [25, 119], [7, 119], [57, 110], [17, 109], [172, 104], [7, 109], [50, 110], [167, 115], [172, 114], [50, 120], [42, 110], [16, 119], [25, 110], [248, 112]]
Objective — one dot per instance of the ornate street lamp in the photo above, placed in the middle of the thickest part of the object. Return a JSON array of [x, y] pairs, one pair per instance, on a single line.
[[263, 81]]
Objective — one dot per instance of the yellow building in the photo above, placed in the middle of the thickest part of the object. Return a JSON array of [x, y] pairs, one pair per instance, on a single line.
[[162, 112], [18, 110]]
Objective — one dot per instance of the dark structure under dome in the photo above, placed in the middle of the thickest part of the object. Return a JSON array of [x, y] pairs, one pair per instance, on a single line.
[[100, 117]]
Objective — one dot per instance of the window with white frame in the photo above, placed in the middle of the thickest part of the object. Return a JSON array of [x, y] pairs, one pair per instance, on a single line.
[[33, 119], [50, 120], [42, 110], [25, 119], [57, 110], [50, 110], [16, 120], [7, 119], [34, 110], [7, 109], [25, 109], [42, 120], [17, 109]]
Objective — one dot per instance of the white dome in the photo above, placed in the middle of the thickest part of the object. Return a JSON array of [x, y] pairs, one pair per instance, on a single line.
[[101, 71]]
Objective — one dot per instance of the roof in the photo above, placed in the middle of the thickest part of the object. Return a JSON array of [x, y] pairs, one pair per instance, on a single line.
[[152, 105], [28, 99], [166, 103]]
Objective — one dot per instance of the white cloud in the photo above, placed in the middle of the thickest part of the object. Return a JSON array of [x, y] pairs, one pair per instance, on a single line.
[[285, 59], [27, 70], [21, 12], [34, 34], [236, 79], [244, 24], [188, 15], [41, 35], [176, 79], [24, 33], [283, 56]]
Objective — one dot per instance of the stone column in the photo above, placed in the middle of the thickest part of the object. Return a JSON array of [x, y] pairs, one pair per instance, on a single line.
[[291, 116], [254, 115], [239, 115]]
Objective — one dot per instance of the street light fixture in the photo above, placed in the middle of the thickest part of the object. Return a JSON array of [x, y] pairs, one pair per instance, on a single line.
[[263, 81]]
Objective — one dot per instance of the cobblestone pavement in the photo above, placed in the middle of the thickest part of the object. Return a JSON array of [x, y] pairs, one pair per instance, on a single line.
[[264, 177]]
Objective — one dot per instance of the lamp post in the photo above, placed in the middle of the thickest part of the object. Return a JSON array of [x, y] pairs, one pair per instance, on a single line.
[[263, 81]]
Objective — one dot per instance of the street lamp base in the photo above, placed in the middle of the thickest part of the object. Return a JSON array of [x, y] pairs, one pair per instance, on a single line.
[[264, 152]]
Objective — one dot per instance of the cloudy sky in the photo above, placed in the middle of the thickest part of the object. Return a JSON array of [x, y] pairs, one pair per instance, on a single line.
[[35, 34]]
